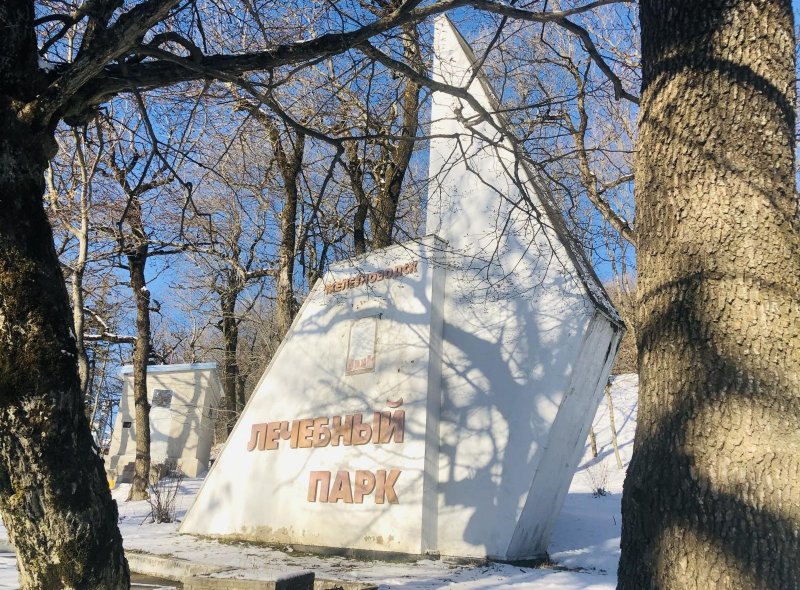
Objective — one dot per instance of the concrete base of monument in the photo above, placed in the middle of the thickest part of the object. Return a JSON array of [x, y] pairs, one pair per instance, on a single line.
[[324, 551], [536, 560], [199, 576]]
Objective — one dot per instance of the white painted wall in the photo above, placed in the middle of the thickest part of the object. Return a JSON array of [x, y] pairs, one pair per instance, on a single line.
[[182, 433], [262, 495], [516, 317], [566, 438]]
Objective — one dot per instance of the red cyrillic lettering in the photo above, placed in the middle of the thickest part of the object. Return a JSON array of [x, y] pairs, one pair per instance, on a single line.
[[295, 433], [342, 432], [362, 433], [315, 479], [258, 433], [376, 427], [392, 424], [384, 488], [322, 434], [305, 437], [273, 433], [341, 490], [365, 484]]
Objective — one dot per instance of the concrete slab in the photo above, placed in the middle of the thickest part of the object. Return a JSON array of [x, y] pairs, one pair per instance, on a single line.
[[298, 581], [199, 576], [164, 566], [339, 585]]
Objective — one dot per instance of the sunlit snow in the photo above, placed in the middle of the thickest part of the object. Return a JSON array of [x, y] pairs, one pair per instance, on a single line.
[[584, 548]]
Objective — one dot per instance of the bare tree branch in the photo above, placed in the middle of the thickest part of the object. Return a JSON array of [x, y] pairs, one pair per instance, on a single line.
[[110, 44], [106, 335], [171, 69]]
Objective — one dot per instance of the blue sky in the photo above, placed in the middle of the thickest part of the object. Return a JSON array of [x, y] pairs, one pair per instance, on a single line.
[[159, 282]]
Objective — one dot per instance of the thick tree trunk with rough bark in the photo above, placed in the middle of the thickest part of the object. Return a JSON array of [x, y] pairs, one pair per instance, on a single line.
[[54, 497], [137, 261], [711, 497]]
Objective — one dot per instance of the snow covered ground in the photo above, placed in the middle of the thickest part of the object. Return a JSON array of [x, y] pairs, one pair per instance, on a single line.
[[584, 548]]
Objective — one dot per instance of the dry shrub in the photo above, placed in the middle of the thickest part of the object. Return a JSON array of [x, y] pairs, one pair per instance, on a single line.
[[165, 483]]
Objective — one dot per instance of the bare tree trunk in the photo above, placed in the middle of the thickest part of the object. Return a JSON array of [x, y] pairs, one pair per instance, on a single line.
[[54, 497], [86, 172], [355, 171], [711, 496], [593, 441], [230, 339], [290, 166], [241, 391], [612, 424], [290, 162], [286, 306], [82, 235], [77, 312], [395, 163], [137, 262]]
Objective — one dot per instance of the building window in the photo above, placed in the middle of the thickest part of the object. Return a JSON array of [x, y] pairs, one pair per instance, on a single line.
[[126, 424], [162, 398]]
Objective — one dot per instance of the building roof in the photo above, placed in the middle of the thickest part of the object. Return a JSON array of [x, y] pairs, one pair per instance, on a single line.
[[128, 369]]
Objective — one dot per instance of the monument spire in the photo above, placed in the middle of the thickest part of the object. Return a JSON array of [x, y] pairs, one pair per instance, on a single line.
[[423, 407]]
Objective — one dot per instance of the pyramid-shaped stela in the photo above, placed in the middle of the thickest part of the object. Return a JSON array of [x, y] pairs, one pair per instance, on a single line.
[[434, 396]]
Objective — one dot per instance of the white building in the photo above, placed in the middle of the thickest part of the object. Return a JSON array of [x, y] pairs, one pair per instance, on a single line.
[[183, 400], [434, 396]]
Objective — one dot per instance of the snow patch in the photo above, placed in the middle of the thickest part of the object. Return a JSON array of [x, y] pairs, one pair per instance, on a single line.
[[585, 541]]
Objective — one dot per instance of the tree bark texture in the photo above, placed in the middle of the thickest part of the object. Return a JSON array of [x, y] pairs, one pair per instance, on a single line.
[[397, 156], [137, 261], [711, 497], [290, 165], [54, 497], [82, 235], [355, 171], [230, 337], [77, 314]]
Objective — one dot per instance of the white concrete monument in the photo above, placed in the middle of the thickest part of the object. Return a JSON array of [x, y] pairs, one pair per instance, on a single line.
[[182, 402], [431, 397]]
